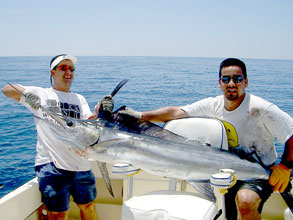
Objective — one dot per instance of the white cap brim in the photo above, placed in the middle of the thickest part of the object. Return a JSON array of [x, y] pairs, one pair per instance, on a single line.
[[61, 58]]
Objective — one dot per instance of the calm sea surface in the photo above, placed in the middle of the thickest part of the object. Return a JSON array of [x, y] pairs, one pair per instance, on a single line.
[[153, 82]]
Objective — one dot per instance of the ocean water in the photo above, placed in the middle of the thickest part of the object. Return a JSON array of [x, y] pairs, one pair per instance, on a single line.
[[153, 82]]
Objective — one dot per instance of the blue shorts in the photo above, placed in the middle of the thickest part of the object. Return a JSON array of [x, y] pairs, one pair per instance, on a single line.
[[56, 186]]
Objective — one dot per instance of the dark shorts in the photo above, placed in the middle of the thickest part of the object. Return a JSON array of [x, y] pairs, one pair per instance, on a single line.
[[56, 186], [261, 187]]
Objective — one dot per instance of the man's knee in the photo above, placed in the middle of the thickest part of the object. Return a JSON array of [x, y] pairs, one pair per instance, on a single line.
[[247, 201], [58, 215], [88, 206], [88, 211]]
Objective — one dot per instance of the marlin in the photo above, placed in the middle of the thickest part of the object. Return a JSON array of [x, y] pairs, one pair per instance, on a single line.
[[151, 148]]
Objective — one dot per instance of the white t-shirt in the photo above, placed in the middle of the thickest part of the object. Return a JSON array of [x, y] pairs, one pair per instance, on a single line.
[[257, 122], [49, 148]]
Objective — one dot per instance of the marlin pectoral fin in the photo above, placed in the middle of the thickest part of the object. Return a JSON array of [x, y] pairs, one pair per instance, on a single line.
[[105, 175], [118, 87], [204, 189]]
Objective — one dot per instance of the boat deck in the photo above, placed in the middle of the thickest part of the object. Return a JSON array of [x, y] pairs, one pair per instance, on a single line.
[[23, 203]]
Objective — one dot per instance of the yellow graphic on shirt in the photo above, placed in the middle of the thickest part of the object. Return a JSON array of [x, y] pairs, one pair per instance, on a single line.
[[231, 134]]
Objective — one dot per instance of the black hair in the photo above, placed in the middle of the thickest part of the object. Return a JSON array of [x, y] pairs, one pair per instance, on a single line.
[[52, 60], [233, 62]]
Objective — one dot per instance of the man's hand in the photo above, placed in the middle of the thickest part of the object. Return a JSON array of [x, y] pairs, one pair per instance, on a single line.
[[280, 177], [105, 105], [130, 112], [33, 100]]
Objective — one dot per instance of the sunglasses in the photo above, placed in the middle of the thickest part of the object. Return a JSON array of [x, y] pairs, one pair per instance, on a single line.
[[236, 79], [66, 67]]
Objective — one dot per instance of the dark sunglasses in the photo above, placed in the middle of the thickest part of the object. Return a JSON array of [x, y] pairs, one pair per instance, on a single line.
[[66, 67], [236, 79]]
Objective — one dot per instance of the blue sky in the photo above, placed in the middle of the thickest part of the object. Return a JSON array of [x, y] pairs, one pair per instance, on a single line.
[[191, 28]]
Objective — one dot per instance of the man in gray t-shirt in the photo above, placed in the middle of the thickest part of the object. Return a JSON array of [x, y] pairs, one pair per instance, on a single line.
[[257, 122]]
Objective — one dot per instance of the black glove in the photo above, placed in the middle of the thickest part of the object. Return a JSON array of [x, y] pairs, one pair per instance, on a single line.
[[104, 107], [107, 103]]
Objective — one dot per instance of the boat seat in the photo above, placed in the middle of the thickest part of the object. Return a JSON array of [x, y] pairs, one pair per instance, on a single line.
[[208, 131], [168, 205], [171, 204]]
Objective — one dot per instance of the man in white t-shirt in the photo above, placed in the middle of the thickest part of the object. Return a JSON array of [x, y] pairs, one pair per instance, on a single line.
[[257, 122], [60, 171]]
